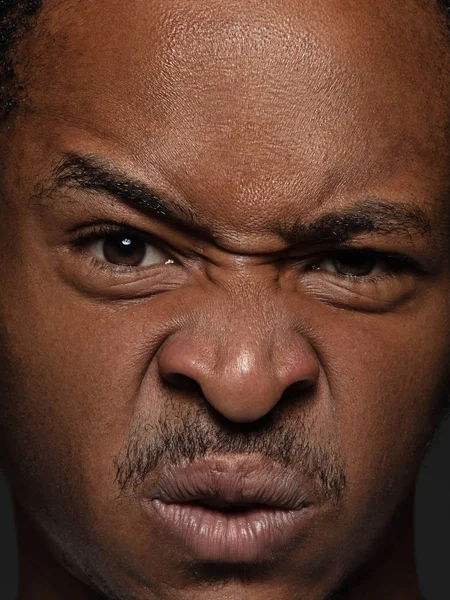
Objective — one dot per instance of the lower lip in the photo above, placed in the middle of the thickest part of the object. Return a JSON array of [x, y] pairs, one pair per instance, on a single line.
[[248, 536]]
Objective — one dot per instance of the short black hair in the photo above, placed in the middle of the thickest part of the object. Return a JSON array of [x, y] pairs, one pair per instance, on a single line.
[[444, 6], [16, 18]]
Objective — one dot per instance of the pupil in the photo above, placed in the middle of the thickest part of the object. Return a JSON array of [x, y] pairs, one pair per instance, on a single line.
[[121, 250], [355, 263]]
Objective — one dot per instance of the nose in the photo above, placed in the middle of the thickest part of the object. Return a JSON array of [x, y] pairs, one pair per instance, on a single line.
[[244, 376]]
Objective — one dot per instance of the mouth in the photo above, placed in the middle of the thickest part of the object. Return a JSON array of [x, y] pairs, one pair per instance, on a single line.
[[239, 509]]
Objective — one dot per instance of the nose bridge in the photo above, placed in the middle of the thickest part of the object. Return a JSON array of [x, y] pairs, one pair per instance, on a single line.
[[248, 341], [253, 323], [243, 353]]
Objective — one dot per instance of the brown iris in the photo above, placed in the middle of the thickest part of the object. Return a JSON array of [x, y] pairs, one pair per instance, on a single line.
[[122, 250], [354, 263]]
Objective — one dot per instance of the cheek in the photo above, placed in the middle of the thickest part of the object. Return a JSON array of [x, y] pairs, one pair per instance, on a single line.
[[388, 380], [71, 381], [72, 387]]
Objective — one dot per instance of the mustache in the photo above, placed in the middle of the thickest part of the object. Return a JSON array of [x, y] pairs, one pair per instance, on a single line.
[[191, 436]]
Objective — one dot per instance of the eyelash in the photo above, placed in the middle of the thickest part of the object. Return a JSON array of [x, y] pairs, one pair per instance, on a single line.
[[100, 230], [396, 262]]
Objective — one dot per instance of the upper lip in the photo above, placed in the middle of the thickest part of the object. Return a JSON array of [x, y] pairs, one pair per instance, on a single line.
[[232, 481]]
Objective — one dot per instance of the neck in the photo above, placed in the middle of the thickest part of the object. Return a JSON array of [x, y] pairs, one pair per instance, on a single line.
[[390, 573]]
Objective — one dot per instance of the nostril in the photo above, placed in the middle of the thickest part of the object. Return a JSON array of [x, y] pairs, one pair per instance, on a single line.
[[183, 382], [297, 388]]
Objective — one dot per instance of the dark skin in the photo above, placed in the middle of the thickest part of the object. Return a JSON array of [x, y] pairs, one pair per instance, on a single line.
[[275, 135]]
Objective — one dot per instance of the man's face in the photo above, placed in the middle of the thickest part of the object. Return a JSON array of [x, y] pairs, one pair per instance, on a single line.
[[288, 328]]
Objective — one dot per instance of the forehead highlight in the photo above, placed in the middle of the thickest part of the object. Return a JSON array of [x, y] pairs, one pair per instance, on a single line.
[[221, 69], [159, 41]]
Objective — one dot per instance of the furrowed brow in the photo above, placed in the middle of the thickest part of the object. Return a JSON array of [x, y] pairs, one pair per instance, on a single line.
[[94, 174], [372, 215]]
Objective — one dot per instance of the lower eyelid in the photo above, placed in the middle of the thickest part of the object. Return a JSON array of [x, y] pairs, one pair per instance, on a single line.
[[110, 269]]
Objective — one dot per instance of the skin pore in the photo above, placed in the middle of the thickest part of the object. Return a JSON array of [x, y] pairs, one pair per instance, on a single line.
[[240, 158]]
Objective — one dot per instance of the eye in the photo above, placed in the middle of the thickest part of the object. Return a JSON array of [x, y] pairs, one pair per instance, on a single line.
[[122, 248], [357, 264]]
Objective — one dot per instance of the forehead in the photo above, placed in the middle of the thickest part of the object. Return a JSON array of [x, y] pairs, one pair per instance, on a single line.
[[259, 103]]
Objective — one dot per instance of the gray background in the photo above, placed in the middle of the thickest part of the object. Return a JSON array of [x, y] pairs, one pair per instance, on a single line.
[[432, 528]]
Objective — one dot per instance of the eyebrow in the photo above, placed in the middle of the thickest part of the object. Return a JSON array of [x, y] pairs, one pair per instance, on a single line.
[[371, 215], [95, 174]]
